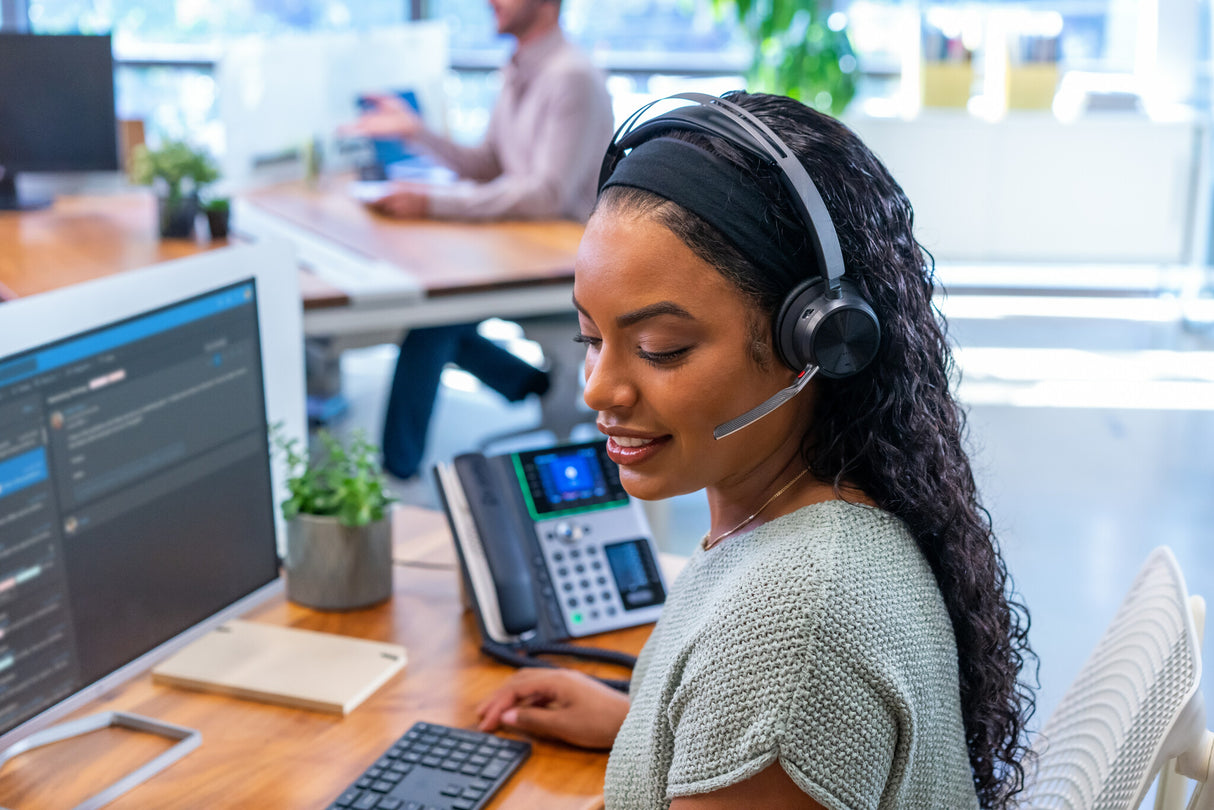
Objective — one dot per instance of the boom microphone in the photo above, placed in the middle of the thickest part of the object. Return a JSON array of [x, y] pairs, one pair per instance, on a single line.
[[766, 406]]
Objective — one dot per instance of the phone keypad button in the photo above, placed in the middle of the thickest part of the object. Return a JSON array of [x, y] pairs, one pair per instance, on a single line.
[[585, 583], [572, 602], [567, 586], [610, 610], [601, 580], [562, 572], [557, 557], [574, 553]]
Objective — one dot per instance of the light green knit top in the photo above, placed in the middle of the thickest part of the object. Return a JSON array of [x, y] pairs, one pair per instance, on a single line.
[[820, 640]]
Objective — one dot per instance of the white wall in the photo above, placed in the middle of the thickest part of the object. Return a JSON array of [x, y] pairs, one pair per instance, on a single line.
[[1105, 188]]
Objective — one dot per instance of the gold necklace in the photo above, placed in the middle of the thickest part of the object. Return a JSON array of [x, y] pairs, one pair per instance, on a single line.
[[706, 543]]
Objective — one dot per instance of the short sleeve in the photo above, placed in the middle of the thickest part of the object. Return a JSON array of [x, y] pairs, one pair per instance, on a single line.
[[779, 680]]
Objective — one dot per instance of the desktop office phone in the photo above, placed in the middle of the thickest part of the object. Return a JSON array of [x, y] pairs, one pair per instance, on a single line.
[[550, 544]]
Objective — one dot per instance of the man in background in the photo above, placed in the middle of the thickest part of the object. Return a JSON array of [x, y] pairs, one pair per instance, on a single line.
[[540, 159]]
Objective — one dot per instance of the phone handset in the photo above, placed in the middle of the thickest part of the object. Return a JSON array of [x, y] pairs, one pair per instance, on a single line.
[[498, 570]]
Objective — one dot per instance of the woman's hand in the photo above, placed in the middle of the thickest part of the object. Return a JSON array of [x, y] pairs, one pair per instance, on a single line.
[[560, 703]]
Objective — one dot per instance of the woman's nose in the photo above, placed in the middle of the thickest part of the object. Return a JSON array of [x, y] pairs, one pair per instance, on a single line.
[[607, 384]]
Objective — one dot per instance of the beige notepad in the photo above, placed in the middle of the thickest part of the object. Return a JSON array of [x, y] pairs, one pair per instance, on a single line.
[[300, 668]]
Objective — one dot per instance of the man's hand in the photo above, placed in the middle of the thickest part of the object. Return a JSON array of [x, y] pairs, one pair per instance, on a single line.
[[406, 203], [388, 117], [560, 703]]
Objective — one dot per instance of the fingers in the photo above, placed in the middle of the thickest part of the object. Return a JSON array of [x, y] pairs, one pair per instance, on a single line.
[[528, 687]]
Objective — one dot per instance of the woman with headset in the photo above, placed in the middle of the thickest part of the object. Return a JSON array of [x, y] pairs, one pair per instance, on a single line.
[[844, 636]]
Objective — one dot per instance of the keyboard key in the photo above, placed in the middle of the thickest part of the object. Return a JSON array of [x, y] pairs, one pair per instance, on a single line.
[[348, 798], [389, 803], [367, 801], [463, 804], [451, 790], [495, 769], [382, 786]]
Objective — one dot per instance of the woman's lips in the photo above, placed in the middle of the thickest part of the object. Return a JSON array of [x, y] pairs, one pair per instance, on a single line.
[[624, 450]]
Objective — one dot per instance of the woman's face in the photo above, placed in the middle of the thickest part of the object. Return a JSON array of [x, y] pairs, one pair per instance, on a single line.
[[670, 355]]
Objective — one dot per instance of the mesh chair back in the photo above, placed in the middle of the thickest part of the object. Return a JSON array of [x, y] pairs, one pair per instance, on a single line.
[[1103, 745]]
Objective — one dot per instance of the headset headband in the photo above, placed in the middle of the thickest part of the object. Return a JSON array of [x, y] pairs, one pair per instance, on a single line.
[[724, 119]]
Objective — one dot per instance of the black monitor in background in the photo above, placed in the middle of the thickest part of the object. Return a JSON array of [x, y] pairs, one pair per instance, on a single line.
[[136, 488], [56, 108]]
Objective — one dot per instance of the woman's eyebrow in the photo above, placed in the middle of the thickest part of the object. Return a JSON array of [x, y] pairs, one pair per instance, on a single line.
[[652, 311], [638, 315]]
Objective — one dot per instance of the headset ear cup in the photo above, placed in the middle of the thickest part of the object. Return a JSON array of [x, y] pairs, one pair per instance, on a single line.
[[839, 335]]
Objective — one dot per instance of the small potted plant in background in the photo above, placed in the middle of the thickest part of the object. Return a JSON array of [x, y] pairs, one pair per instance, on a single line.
[[339, 536], [219, 213], [178, 173]]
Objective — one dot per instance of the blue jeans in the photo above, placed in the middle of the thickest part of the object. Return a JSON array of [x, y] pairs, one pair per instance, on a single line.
[[419, 366]]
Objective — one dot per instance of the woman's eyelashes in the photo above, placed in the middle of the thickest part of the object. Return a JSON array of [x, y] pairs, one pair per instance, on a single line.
[[586, 340], [654, 358], [665, 358]]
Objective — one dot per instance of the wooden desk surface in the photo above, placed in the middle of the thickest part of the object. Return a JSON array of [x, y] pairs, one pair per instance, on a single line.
[[82, 238], [444, 257], [263, 756]]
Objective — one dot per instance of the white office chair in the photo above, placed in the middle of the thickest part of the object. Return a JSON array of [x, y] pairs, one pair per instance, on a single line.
[[1135, 708]]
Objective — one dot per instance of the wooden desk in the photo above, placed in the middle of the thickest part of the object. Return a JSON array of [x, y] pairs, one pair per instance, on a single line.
[[450, 272], [80, 239], [404, 273], [256, 755], [443, 258]]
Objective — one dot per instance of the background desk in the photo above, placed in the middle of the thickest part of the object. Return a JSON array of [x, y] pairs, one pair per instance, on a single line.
[[255, 755], [403, 273], [370, 273]]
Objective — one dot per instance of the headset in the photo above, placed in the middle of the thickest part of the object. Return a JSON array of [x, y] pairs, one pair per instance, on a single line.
[[824, 324]]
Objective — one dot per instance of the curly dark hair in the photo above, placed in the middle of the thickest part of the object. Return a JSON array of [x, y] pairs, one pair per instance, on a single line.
[[893, 431]]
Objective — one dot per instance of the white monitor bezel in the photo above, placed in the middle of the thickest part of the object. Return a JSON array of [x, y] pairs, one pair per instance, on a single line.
[[27, 323]]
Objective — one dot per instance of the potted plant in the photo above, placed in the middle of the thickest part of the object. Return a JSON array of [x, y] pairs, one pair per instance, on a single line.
[[801, 49], [219, 213], [339, 537], [177, 172]]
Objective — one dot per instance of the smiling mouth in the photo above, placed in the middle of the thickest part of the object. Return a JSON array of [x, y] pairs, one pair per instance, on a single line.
[[630, 441]]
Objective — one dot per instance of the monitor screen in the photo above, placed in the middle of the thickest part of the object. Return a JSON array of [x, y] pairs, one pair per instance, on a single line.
[[57, 107], [136, 498]]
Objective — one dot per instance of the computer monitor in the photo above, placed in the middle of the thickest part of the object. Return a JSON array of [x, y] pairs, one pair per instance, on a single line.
[[137, 496], [56, 108]]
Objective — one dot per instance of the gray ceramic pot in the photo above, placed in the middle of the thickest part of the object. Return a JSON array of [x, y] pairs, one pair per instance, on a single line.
[[335, 567]]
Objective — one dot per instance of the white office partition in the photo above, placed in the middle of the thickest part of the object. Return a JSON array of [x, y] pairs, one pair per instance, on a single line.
[[277, 95]]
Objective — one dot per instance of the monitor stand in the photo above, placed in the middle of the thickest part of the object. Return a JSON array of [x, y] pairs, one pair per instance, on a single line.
[[188, 739], [11, 200]]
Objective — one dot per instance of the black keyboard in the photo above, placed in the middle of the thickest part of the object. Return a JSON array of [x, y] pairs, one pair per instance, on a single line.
[[436, 767]]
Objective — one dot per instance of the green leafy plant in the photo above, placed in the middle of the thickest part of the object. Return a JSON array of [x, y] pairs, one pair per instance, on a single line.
[[797, 52], [217, 205], [178, 166], [343, 481]]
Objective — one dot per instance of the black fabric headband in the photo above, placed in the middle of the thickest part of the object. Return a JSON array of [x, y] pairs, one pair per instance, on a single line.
[[716, 191]]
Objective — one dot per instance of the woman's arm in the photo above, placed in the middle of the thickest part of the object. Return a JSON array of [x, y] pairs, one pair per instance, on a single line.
[[560, 703], [770, 789]]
